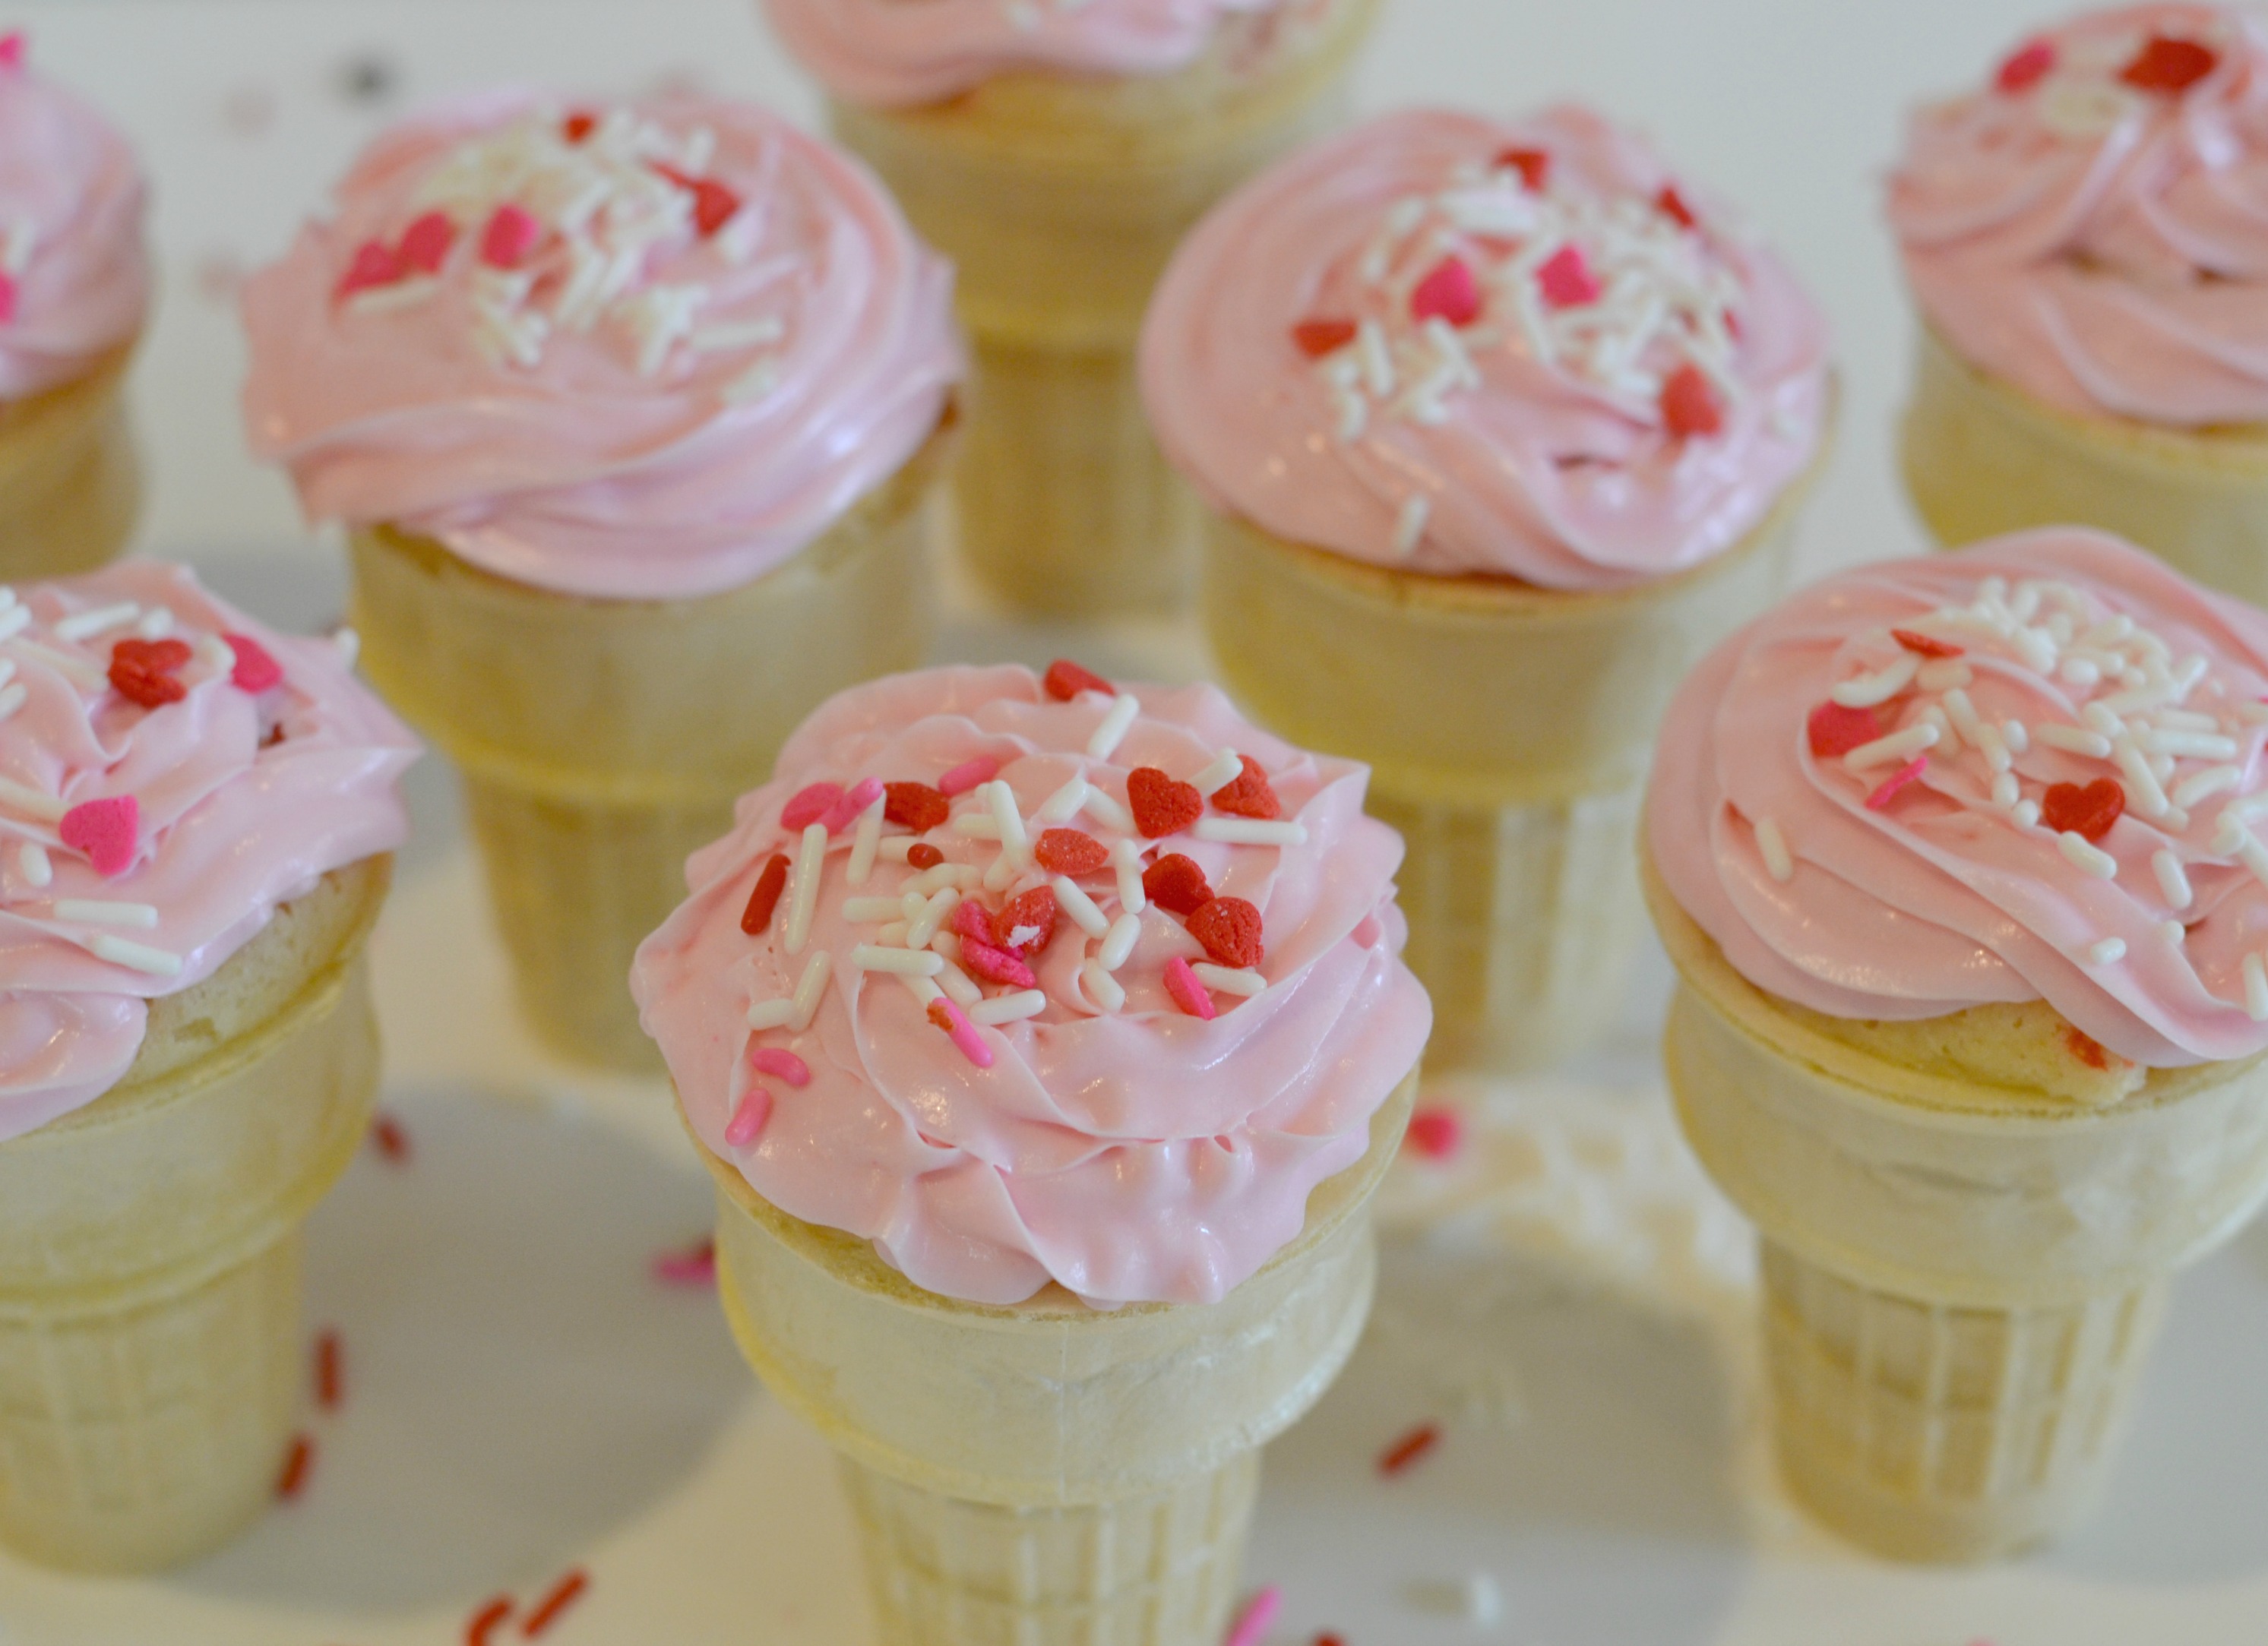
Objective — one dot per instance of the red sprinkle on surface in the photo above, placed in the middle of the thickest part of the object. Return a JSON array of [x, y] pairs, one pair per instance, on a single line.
[[781, 1064], [330, 1371], [1249, 794], [807, 806], [511, 236], [298, 1463], [1412, 1446], [766, 897], [915, 807], [1927, 645], [747, 1121], [2088, 812], [1317, 338], [695, 1266], [1451, 291], [375, 264], [142, 671], [2085, 1047], [1188, 993], [1835, 730], [547, 1611], [1175, 883], [1065, 679], [922, 854], [485, 1621], [1257, 1618], [968, 774], [1671, 204], [1533, 165], [853, 805], [1161, 804], [1435, 1132], [107, 831], [1690, 406], [995, 965], [1229, 927], [1566, 280], [1070, 851], [1896, 781], [425, 243], [2170, 65], [255, 669], [1032, 916], [392, 1139], [713, 204], [2026, 67], [579, 126]]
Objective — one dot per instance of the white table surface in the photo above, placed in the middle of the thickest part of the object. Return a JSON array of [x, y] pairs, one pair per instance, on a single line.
[[1569, 1299]]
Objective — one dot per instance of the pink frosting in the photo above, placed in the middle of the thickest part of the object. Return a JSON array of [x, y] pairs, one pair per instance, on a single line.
[[2100, 243], [894, 53], [1397, 345], [1915, 900], [75, 267], [650, 351], [272, 767], [1139, 1154]]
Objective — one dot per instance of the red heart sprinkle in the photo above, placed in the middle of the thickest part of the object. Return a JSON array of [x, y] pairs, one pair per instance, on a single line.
[[1317, 338], [996, 965], [1566, 279], [1835, 729], [142, 671], [1533, 165], [106, 830], [1451, 292], [1671, 204], [713, 204], [375, 264], [579, 126], [1070, 851], [1927, 645], [2026, 66], [1690, 406], [1028, 923], [1066, 681], [916, 806], [2169, 65], [509, 238], [1161, 805], [425, 243], [255, 670], [2089, 812], [922, 854], [1247, 794], [1229, 927], [766, 897], [809, 806], [1175, 883]]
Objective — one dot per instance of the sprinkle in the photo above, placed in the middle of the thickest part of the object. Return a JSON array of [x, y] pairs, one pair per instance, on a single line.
[[1229, 980], [977, 825], [2027, 813], [865, 843], [1410, 525], [106, 830], [1117, 943], [870, 957], [1249, 794], [2169, 65], [1865, 691], [2025, 67], [11, 699], [12, 50], [1565, 279], [2174, 932], [330, 1371], [1070, 851], [770, 1014], [1835, 730], [392, 1139], [2075, 740], [803, 899], [32, 858], [1897, 781], [747, 1121], [1778, 862], [486, 1621], [1533, 165], [963, 1034], [1224, 768], [1015, 843], [374, 264], [1162, 806], [1896, 747], [1028, 924], [46, 807], [809, 988], [510, 236], [2148, 798], [2089, 812], [2109, 952], [296, 1467], [1927, 645], [143, 671], [1317, 338], [1102, 989], [2193, 744], [1944, 674], [1126, 858], [2006, 792], [1251, 832], [2087, 858], [1027, 1003], [995, 965], [1106, 811], [254, 670], [1437, 1132], [927, 924], [848, 808], [1063, 805], [1186, 992], [1671, 204], [1176, 884], [2256, 989], [955, 983], [696, 1267], [915, 807], [2173, 879], [781, 1064], [1450, 291], [920, 853], [136, 957], [1408, 1450], [765, 898], [1081, 907], [1690, 405], [1116, 725], [550, 1609], [1230, 928], [86, 625], [97, 912], [1257, 1618], [809, 806]]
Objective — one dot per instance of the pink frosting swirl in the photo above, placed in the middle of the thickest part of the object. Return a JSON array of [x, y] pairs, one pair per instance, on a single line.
[[891, 54], [1141, 1152], [2067, 810], [1460, 345], [74, 270], [2093, 225], [647, 351], [149, 829]]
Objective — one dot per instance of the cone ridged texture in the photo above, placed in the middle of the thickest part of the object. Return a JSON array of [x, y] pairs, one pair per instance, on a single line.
[[70, 476], [1980, 457], [1060, 200], [601, 741]]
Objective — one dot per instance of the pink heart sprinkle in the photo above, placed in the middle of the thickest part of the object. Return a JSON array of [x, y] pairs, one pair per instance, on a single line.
[[425, 243], [375, 264], [1566, 279], [748, 1119], [995, 966], [12, 50], [968, 774], [107, 831], [1437, 1133], [809, 806], [844, 811], [970, 921], [255, 670], [780, 1063], [1450, 292], [1188, 994], [7, 299], [511, 234]]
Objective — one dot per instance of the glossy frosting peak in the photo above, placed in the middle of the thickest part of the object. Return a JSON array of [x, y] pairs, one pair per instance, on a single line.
[[2091, 225], [2029, 770], [1460, 345], [645, 351], [170, 771], [1118, 1142]]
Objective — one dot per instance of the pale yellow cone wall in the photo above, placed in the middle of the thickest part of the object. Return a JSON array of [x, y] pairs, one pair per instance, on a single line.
[[70, 477], [1962, 1283], [1508, 729], [1046, 1474], [602, 741], [152, 1359], [1982, 457], [1060, 200]]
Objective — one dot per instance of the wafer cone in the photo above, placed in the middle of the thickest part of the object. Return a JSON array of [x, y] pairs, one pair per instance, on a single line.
[[71, 478], [1060, 200], [1962, 1283], [1982, 457], [1049, 1475], [602, 741], [151, 1362], [1508, 729]]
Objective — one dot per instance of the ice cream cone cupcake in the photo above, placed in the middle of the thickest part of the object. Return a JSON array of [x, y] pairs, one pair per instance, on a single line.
[[1057, 153], [74, 293], [1956, 859], [633, 414], [2088, 264], [1045, 1102], [1501, 424], [194, 838]]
